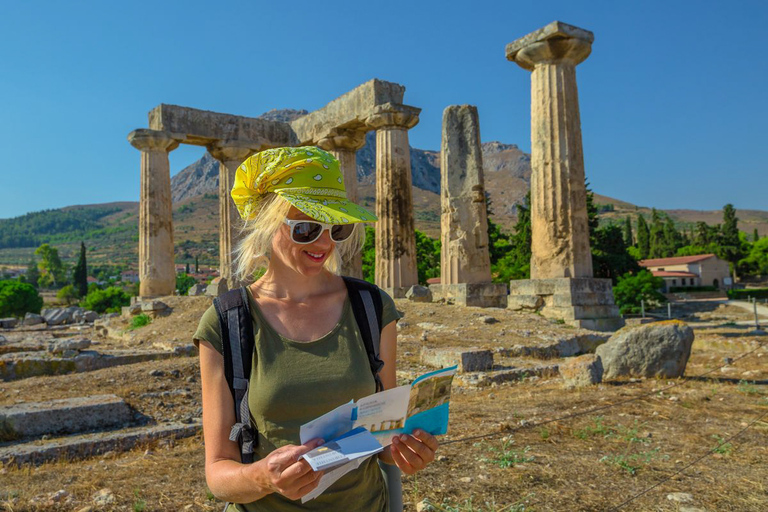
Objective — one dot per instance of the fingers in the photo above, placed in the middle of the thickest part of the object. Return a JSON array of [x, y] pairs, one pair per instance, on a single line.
[[284, 457], [413, 453]]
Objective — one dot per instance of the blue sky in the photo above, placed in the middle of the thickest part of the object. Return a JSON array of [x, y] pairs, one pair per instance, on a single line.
[[673, 98]]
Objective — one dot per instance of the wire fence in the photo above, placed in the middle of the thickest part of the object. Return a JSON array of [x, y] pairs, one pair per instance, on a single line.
[[593, 410]]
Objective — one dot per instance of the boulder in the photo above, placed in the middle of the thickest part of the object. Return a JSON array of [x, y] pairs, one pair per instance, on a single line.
[[467, 359], [33, 319], [217, 287], [418, 293], [582, 371], [90, 316], [153, 306], [8, 323], [64, 345], [132, 310], [660, 349], [196, 290], [57, 316]]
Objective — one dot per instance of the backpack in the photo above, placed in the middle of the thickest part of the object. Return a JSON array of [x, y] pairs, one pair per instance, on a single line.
[[237, 338]]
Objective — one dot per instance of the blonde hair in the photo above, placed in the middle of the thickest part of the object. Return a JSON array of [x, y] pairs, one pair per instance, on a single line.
[[253, 251]]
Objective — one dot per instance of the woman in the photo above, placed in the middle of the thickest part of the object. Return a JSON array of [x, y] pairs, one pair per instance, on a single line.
[[308, 356]]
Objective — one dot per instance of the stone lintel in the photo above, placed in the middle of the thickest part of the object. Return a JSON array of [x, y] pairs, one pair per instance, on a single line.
[[144, 139], [554, 30], [347, 111], [203, 127], [481, 295]]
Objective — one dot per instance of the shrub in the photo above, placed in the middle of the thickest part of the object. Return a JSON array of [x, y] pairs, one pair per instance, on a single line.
[[757, 293], [17, 299], [184, 282], [686, 289], [68, 294], [109, 300], [633, 288]]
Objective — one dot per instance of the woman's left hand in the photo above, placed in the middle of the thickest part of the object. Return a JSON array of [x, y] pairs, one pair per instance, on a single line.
[[412, 453]]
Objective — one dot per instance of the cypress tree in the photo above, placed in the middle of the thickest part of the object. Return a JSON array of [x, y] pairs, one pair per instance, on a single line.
[[33, 273], [672, 240], [643, 238], [755, 236], [657, 235], [80, 274], [628, 238], [187, 270], [197, 265], [730, 244]]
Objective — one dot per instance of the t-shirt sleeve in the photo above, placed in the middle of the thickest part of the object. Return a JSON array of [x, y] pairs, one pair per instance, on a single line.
[[389, 313], [209, 330]]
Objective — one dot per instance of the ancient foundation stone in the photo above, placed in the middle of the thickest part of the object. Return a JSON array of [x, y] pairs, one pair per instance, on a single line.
[[217, 287], [660, 349], [60, 346], [582, 371], [482, 295], [418, 293], [57, 316], [196, 290], [33, 319], [468, 360], [8, 323], [65, 416]]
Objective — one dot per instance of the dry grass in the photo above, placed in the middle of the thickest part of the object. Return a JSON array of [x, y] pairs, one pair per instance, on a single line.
[[592, 462]]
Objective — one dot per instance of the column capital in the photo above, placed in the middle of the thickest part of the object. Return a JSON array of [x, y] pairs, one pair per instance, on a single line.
[[556, 43], [229, 150], [343, 139], [147, 140], [393, 115]]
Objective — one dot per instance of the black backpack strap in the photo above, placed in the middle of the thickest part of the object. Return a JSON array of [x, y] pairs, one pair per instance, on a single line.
[[237, 340], [368, 307]]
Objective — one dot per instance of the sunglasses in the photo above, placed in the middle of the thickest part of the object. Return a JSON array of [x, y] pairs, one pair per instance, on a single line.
[[307, 231]]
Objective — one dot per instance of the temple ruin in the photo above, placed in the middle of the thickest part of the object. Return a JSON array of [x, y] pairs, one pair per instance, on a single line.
[[339, 127]]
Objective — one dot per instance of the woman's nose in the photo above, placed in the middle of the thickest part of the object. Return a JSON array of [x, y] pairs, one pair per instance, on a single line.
[[325, 239]]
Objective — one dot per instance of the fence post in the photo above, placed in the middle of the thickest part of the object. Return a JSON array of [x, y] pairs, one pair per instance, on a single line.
[[669, 310], [754, 306], [642, 307]]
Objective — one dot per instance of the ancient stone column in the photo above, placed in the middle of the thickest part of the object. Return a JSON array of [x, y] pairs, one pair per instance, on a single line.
[[230, 155], [343, 144], [396, 268], [157, 272], [558, 195], [464, 225]]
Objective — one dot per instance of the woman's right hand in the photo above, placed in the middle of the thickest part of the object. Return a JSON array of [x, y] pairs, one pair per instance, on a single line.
[[285, 472]]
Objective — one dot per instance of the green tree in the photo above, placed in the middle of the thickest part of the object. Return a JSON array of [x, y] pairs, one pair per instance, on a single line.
[[755, 236], [109, 300], [369, 255], [187, 270], [671, 239], [427, 257], [184, 282], [18, 299], [33, 273], [51, 265], [511, 254], [628, 238], [756, 261], [80, 274], [656, 236], [731, 249], [610, 258], [643, 238], [197, 265], [632, 288], [68, 294]]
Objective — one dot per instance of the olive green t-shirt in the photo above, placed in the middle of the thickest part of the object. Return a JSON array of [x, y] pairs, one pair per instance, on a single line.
[[292, 383]]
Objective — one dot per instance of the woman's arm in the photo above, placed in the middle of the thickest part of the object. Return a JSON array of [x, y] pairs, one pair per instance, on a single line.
[[409, 453], [229, 480]]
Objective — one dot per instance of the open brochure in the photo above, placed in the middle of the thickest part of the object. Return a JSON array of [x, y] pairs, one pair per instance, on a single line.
[[356, 430]]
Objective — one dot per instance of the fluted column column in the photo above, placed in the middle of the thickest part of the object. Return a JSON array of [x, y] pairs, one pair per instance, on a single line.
[[230, 155], [343, 144], [157, 272], [396, 269], [559, 227]]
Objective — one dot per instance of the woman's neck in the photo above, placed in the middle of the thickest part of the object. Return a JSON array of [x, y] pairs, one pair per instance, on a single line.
[[284, 283]]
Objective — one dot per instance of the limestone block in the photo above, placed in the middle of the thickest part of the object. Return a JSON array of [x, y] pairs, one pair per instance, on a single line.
[[132, 310], [59, 346], [217, 287], [418, 293], [90, 316], [57, 316], [468, 360], [153, 306], [582, 371], [33, 319], [482, 295], [659, 349], [196, 290], [8, 323], [64, 416]]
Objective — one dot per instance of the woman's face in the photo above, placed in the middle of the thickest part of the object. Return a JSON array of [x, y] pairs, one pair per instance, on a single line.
[[306, 259]]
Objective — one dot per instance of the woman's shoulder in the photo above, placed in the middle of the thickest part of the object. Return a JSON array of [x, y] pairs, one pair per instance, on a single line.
[[208, 329]]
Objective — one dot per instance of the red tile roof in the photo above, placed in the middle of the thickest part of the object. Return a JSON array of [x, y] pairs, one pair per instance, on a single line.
[[680, 260], [668, 273]]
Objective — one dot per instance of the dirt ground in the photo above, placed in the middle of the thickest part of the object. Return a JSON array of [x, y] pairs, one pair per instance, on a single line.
[[593, 461]]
